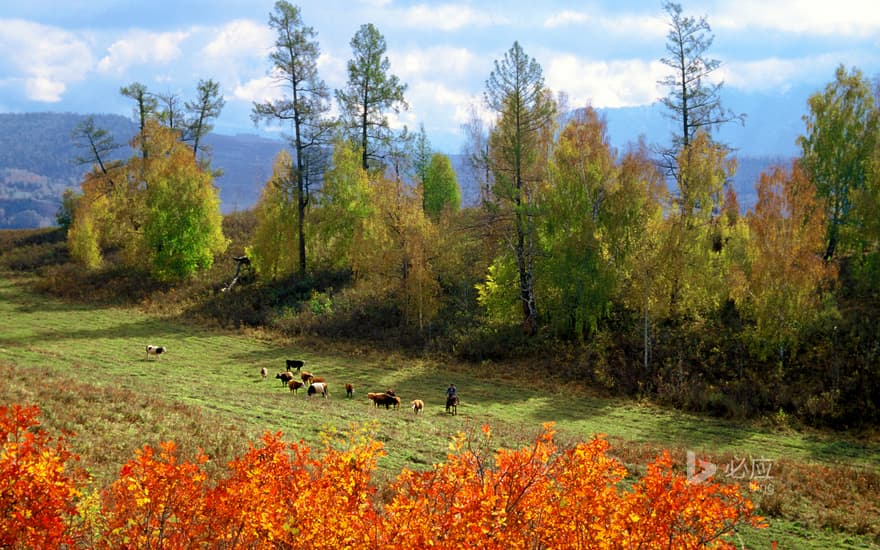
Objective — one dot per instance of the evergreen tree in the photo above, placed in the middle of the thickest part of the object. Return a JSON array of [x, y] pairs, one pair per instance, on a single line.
[[370, 93]]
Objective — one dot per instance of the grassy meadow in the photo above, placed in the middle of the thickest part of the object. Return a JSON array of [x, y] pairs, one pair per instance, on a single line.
[[86, 367]]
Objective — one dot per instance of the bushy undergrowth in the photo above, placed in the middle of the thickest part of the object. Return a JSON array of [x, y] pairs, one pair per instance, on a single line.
[[706, 365]]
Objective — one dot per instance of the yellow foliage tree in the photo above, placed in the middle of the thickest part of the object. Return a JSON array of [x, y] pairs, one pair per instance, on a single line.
[[273, 250]]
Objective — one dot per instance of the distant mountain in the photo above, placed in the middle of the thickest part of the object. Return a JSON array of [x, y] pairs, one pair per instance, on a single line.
[[37, 153], [37, 164]]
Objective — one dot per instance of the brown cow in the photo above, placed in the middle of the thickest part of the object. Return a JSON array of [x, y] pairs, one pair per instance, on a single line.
[[294, 385]]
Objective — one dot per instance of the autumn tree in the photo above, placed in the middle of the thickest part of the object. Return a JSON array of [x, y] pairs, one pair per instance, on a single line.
[[164, 211], [369, 95], [840, 156], [541, 496], [158, 500], [272, 249], [595, 211], [783, 283], [295, 68], [515, 91]]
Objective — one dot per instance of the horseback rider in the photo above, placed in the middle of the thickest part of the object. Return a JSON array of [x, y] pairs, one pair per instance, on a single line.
[[451, 396], [451, 392]]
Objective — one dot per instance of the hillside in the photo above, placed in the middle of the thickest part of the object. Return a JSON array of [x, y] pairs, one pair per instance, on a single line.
[[37, 163]]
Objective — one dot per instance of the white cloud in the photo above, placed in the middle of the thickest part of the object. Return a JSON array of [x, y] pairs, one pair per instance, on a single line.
[[333, 70], [605, 83], [46, 58], [859, 18], [566, 17], [448, 17], [239, 39], [142, 47], [259, 89], [413, 63], [776, 74], [636, 26]]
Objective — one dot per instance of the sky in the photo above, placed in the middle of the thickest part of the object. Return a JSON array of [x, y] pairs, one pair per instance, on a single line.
[[75, 55]]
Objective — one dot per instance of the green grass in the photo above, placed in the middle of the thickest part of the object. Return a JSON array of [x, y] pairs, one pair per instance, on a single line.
[[87, 369]]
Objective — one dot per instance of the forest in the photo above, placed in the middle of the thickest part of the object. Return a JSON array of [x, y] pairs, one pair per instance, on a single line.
[[635, 271]]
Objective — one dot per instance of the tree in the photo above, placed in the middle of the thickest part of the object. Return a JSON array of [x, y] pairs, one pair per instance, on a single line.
[[422, 154], [206, 107], [515, 90], [158, 501], [170, 113], [38, 487], [146, 107], [295, 66], [840, 155], [476, 153], [782, 283], [182, 224], [345, 203], [369, 94], [99, 144], [440, 189], [274, 242], [164, 213], [694, 100]]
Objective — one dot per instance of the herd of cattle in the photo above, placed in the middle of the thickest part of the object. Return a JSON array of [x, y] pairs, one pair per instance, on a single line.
[[318, 385]]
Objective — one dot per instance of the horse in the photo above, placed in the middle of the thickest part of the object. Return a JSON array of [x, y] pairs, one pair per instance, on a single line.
[[452, 403]]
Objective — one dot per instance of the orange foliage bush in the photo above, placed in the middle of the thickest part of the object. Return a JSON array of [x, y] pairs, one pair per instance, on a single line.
[[38, 493], [279, 495]]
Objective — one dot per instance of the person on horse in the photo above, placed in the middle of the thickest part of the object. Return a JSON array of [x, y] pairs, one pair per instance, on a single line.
[[451, 396]]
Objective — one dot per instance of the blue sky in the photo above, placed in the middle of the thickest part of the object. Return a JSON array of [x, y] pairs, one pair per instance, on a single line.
[[73, 56]]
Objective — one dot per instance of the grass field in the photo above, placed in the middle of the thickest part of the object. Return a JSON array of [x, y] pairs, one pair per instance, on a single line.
[[87, 369]]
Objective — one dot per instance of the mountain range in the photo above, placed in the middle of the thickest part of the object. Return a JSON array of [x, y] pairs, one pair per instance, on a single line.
[[37, 153]]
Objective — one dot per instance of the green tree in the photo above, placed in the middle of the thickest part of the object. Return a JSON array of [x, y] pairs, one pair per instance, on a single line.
[[345, 204], [440, 189], [370, 93], [146, 108], [515, 90], [295, 65], [99, 144], [840, 156], [182, 227], [422, 154], [170, 111], [206, 107]]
